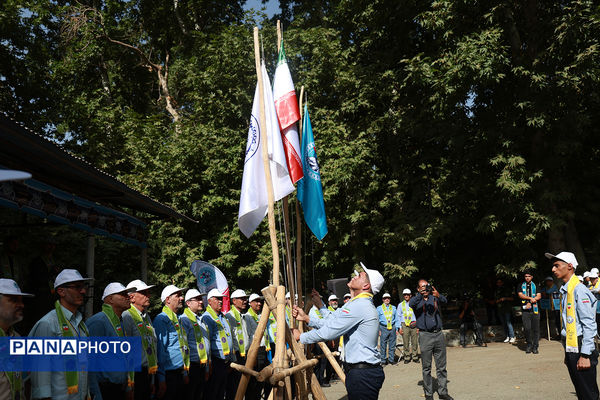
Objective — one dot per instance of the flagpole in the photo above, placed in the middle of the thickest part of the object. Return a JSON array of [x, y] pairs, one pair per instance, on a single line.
[[299, 226], [265, 156]]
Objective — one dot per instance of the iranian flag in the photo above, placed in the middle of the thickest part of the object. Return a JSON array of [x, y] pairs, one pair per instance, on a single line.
[[286, 105]]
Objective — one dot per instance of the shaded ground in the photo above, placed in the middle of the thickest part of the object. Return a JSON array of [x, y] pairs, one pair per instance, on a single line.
[[500, 371]]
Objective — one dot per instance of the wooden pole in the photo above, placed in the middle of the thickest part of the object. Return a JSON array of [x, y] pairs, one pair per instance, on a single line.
[[299, 228], [253, 352], [333, 361], [265, 155], [278, 36], [297, 349], [276, 377]]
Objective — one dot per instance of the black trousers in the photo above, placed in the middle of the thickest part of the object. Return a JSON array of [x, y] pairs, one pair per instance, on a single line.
[[218, 380], [531, 326], [477, 329], [143, 385], [584, 381], [233, 379], [255, 388], [364, 383], [195, 389], [175, 386], [112, 391]]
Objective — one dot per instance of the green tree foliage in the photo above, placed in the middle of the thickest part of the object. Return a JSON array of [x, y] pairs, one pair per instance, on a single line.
[[456, 138]]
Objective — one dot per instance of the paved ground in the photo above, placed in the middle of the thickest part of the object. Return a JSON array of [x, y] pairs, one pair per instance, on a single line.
[[497, 372]]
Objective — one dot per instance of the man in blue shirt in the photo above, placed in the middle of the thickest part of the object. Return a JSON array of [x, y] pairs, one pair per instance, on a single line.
[[387, 333], [358, 322], [171, 348], [221, 345], [114, 384], [578, 314], [426, 305]]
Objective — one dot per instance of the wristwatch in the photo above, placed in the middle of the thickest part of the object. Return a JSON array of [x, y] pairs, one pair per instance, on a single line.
[[584, 355]]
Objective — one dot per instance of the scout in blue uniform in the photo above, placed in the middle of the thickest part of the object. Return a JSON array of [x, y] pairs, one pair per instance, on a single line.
[[358, 322], [578, 316], [387, 331]]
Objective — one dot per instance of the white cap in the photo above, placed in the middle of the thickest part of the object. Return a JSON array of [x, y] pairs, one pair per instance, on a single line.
[[192, 293], [139, 285], [549, 278], [68, 276], [593, 275], [348, 295], [586, 274], [595, 270], [580, 278], [288, 295], [254, 296], [10, 287], [116, 287], [214, 293], [238, 294], [386, 295], [406, 291], [375, 278], [332, 297], [13, 175], [565, 256], [169, 290]]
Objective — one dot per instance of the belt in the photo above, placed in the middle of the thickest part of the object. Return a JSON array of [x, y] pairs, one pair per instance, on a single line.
[[436, 330], [360, 365]]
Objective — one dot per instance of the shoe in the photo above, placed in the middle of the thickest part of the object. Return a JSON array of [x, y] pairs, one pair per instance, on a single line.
[[528, 350], [535, 351], [506, 340], [406, 361], [512, 340], [446, 397], [464, 346], [428, 397], [325, 384], [416, 360]]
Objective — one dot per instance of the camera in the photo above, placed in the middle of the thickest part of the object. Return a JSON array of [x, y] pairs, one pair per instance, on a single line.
[[429, 288]]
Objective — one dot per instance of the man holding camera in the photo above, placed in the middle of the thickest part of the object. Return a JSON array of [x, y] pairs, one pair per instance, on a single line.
[[431, 337]]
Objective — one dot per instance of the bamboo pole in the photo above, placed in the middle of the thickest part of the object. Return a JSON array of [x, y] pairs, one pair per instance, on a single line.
[[299, 228], [276, 377], [333, 361], [265, 155], [253, 352], [244, 370], [297, 349]]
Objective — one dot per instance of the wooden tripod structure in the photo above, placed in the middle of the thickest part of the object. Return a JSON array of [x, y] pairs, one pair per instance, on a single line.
[[278, 373]]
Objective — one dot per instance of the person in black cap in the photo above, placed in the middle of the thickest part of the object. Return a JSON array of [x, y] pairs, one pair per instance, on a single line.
[[530, 296]]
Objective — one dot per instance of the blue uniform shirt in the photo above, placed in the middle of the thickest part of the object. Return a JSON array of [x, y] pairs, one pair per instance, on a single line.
[[99, 325], [401, 317], [427, 312], [383, 319], [168, 350], [585, 315], [358, 322], [216, 347]]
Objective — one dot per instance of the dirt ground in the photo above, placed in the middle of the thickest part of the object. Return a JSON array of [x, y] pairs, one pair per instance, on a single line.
[[500, 371]]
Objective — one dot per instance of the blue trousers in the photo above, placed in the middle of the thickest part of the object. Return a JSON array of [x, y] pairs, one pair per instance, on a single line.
[[387, 343], [365, 383]]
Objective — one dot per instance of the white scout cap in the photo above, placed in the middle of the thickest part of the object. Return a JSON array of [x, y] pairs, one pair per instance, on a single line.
[[332, 297], [13, 175], [254, 296], [10, 287], [139, 285], [191, 294], [375, 278], [237, 294], [68, 276], [595, 270], [586, 274], [406, 291], [565, 256], [288, 295], [580, 278], [593, 275], [214, 293], [386, 295], [348, 295], [116, 287], [169, 290]]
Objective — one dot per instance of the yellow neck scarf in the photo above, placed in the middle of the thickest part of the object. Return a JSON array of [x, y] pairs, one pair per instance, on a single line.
[[571, 329]]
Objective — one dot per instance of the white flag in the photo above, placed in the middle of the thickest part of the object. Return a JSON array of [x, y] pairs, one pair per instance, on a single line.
[[253, 199]]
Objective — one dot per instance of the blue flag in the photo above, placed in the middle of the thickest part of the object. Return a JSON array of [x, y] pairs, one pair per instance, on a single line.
[[310, 191]]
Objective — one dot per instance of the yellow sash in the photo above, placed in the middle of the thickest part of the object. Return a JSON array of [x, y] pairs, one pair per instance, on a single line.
[[388, 314], [571, 329]]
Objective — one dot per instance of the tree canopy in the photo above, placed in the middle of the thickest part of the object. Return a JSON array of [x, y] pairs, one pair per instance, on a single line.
[[456, 138]]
